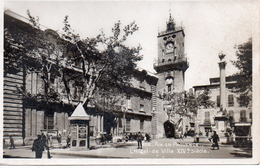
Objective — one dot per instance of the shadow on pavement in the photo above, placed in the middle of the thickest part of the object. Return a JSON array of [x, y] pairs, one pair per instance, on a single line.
[[242, 153]]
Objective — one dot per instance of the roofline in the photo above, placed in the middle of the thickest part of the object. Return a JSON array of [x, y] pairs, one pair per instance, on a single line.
[[22, 18], [148, 72], [200, 86]]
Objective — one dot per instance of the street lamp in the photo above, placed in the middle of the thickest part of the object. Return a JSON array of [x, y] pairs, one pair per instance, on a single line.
[[124, 112]]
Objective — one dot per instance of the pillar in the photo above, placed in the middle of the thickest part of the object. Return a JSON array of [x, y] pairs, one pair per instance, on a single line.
[[124, 122], [222, 66], [102, 123], [98, 124]]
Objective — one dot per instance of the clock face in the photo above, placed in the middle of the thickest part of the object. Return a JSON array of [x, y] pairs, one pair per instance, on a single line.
[[169, 46]]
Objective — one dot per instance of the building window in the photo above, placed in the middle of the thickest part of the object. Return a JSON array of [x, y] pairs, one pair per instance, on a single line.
[[207, 117], [169, 60], [48, 121], [230, 100], [218, 101], [141, 107], [128, 100], [141, 125], [216, 124], [242, 100], [128, 124], [162, 60], [243, 116]]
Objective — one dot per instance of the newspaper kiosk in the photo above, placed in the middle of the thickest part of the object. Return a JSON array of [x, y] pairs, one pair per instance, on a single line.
[[79, 124]]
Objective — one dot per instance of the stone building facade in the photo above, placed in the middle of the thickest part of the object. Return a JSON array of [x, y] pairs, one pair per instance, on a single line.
[[23, 119], [238, 116]]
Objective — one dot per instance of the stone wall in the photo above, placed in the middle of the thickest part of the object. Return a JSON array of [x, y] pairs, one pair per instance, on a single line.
[[13, 107]]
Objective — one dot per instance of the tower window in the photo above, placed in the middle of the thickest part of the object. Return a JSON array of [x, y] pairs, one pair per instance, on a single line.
[[169, 60], [169, 87], [128, 102], [141, 107], [169, 83], [175, 51], [163, 51]]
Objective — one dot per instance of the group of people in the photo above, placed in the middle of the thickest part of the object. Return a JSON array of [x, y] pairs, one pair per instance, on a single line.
[[214, 138]]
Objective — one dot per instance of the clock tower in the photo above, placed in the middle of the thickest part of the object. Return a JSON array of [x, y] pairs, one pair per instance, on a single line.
[[170, 67]]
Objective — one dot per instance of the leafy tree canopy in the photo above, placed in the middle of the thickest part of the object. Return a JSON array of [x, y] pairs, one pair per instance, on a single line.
[[81, 68], [244, 65], [185, 103]]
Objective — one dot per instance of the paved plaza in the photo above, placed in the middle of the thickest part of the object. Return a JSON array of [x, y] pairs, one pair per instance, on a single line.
[[160, 148]]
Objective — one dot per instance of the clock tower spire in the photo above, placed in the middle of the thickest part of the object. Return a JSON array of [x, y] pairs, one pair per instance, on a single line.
[[171, 24], [170, 66]]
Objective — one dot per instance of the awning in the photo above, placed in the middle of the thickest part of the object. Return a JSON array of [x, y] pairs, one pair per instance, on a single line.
[[242, 124]]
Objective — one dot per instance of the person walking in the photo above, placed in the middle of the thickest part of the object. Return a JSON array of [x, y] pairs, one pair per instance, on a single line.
[[215, 140], [59, 139], [68, 141], [139, 140], [12, 143], [46, 145], [148, 138], [51, 141], [38, 146]]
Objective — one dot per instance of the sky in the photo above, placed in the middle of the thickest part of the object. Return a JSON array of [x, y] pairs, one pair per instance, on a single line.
[[209, 26]]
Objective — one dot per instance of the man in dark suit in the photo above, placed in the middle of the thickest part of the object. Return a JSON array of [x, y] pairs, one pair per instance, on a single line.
[[139, 140], [38, 146]]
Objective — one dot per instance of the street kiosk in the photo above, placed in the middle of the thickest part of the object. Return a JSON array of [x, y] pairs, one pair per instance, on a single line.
[[79, 124]]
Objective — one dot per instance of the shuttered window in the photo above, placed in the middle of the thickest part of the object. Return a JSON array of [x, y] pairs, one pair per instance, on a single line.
[[243, 116], [230, 100]]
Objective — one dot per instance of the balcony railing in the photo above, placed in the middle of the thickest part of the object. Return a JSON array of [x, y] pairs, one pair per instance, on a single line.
[[167, 31], [207, 122], [178, 60]]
